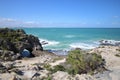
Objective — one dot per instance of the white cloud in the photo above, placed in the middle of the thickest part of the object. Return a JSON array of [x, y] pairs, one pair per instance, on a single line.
[[30, 22], [7, 22]]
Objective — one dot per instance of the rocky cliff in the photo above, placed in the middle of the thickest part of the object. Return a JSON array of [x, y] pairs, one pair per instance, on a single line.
[[13, 42]]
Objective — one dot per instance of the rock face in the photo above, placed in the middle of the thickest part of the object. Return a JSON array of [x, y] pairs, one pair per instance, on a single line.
[[13, 42]]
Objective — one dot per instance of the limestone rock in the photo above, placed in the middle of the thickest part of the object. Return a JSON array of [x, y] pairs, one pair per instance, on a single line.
[[9, 76], [30, 74], [59, 75], [83, 77]]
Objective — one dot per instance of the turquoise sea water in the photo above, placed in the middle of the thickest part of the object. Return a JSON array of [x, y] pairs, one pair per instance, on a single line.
[[67, 38]]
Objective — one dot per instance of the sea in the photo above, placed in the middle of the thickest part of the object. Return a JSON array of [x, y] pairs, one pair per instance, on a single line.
[[66, 39]]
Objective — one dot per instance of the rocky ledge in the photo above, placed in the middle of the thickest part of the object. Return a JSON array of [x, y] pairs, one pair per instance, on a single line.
[[15, 44]]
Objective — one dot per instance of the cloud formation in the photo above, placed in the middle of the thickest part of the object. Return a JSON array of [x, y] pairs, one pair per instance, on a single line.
[[7, 22]]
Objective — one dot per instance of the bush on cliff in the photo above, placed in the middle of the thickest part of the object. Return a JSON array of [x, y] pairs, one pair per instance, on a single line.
[[81, 62]]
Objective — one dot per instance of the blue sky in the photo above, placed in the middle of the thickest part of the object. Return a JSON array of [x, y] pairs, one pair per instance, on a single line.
[[60, 13]]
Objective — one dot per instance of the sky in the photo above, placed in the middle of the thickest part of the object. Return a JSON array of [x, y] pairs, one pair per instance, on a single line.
[[60, 13]]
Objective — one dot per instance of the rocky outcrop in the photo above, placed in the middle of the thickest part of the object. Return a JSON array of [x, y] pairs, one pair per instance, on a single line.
[[112, 62], [13, 42], [110, 42]]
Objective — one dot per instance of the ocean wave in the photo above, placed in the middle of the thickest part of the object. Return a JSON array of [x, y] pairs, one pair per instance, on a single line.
[[83, 45], [70, 36], [46, 42]]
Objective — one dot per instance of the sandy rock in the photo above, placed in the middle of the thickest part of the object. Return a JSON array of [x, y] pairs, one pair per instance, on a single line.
[[58, 62], [109, 75], [108, 53], [8, 65], [30, 74], [112, 62], [84, 77], [14, 78], [59, 75], [43, 74], [9, 76], [115, 75]]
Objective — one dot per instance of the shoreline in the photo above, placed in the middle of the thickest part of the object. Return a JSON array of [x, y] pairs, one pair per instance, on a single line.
[[28, 59], [52, 45], [65, 52]]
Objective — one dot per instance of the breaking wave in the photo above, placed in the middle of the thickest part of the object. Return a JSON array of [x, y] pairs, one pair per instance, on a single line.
[[84, 45], [46, 42]]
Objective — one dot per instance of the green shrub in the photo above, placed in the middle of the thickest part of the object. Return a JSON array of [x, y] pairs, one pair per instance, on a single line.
[[58, 68], [118, 55], [118, 49], [47, 66], [81, 62]]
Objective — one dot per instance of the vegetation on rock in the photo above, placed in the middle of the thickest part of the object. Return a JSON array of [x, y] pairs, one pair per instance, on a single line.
[[80, 62], [57, 68], [15, 41], [118, 55]]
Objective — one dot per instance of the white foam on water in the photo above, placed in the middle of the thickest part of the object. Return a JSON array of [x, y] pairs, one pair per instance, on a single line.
[[49, 42], [69, 36], [83, 45]]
